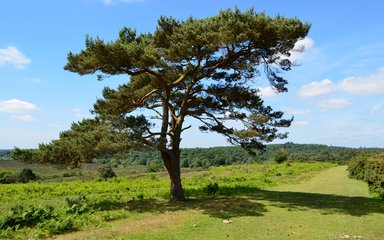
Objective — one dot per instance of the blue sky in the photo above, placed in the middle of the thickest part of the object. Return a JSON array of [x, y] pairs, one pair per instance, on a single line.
[[336, 93]]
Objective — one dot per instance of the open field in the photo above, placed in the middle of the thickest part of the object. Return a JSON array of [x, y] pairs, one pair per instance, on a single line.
[[299, 211], [262, 201]]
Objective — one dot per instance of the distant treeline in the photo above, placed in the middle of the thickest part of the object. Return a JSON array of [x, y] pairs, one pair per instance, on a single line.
[[5, 153], [216, 156]]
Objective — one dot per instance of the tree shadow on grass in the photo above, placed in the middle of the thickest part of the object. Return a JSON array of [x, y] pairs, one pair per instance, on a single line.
[[254, 202], [325, 203], [219, 207]]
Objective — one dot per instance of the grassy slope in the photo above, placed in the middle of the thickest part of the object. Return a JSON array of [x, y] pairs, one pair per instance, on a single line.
[[329, 206]]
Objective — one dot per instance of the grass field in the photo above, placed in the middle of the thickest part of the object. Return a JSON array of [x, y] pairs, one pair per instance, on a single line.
[[261, 201], [310, 210]]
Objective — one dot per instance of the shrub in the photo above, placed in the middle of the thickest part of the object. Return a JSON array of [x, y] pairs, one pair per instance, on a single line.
[[78, 204], [106, 172], [155, 167], [369, 168], [24, 176], [57, 226], [281, 156], [20, 216], [211, 188], [27, 175], [7, 178]]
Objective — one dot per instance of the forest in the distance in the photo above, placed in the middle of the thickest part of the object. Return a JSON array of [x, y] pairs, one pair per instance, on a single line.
[[218, 156]]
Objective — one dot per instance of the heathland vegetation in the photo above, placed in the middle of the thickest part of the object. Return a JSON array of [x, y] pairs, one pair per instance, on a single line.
[[63, 200], [116, 166], [51, 206]]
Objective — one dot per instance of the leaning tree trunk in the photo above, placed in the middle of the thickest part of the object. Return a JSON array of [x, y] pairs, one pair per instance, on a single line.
[[171, 159]]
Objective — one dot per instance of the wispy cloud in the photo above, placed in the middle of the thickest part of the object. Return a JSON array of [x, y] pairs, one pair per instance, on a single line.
[[16, 106], [24, 118], [333, 103], [315, 89], [300, 123], [296, 111], [37, 80], [364, 85], [111, 2], [12, 55]]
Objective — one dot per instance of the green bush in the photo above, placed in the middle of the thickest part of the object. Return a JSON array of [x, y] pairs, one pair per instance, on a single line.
[[7, 178], [281, 156], [369, 168], [78, 204], [106, 172], [24, 176], [27, 175], [211, 188], [20, 216], [155, 167], [57, 226]]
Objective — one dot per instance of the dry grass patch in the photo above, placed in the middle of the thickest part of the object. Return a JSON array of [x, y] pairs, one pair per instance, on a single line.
[[119, 228]]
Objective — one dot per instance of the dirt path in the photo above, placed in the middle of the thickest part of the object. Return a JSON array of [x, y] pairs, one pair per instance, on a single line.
[[331, 181]]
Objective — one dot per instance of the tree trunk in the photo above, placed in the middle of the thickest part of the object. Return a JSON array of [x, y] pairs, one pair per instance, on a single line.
[[171, 159]]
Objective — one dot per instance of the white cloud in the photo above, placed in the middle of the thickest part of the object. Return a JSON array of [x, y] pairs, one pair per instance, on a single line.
[[16, 106], [300, 123], [296, 111], [364, 85], [333, 103], [110, 2], [12, 55], [267, 92], [37, 80], [24, 118], [315, 89], [300, 49]]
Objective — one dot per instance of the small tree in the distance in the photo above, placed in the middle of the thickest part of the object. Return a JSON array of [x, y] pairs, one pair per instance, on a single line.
[[204, 69], [281, 156], [106, 172]]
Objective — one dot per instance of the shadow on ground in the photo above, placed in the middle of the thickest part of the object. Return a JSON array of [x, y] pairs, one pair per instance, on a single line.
[[254, 202]]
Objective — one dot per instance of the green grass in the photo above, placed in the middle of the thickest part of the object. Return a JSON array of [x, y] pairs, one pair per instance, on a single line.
[[314, 209], [328, 206], [263, 201]]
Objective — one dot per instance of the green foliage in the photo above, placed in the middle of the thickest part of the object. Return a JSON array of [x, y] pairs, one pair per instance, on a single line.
[[369, 168], [25, 155], [219, 156], [21, 216], [211, 188], [78, 204], [86, 203], [197, 68], [58, 226], [85, 140], [24, 176], [155, 167], [27, 175], [106, 172], [281, 156], [7, 178], [5, 154]]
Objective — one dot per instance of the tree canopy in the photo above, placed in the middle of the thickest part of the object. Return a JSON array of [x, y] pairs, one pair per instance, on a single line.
[[204, 69]]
